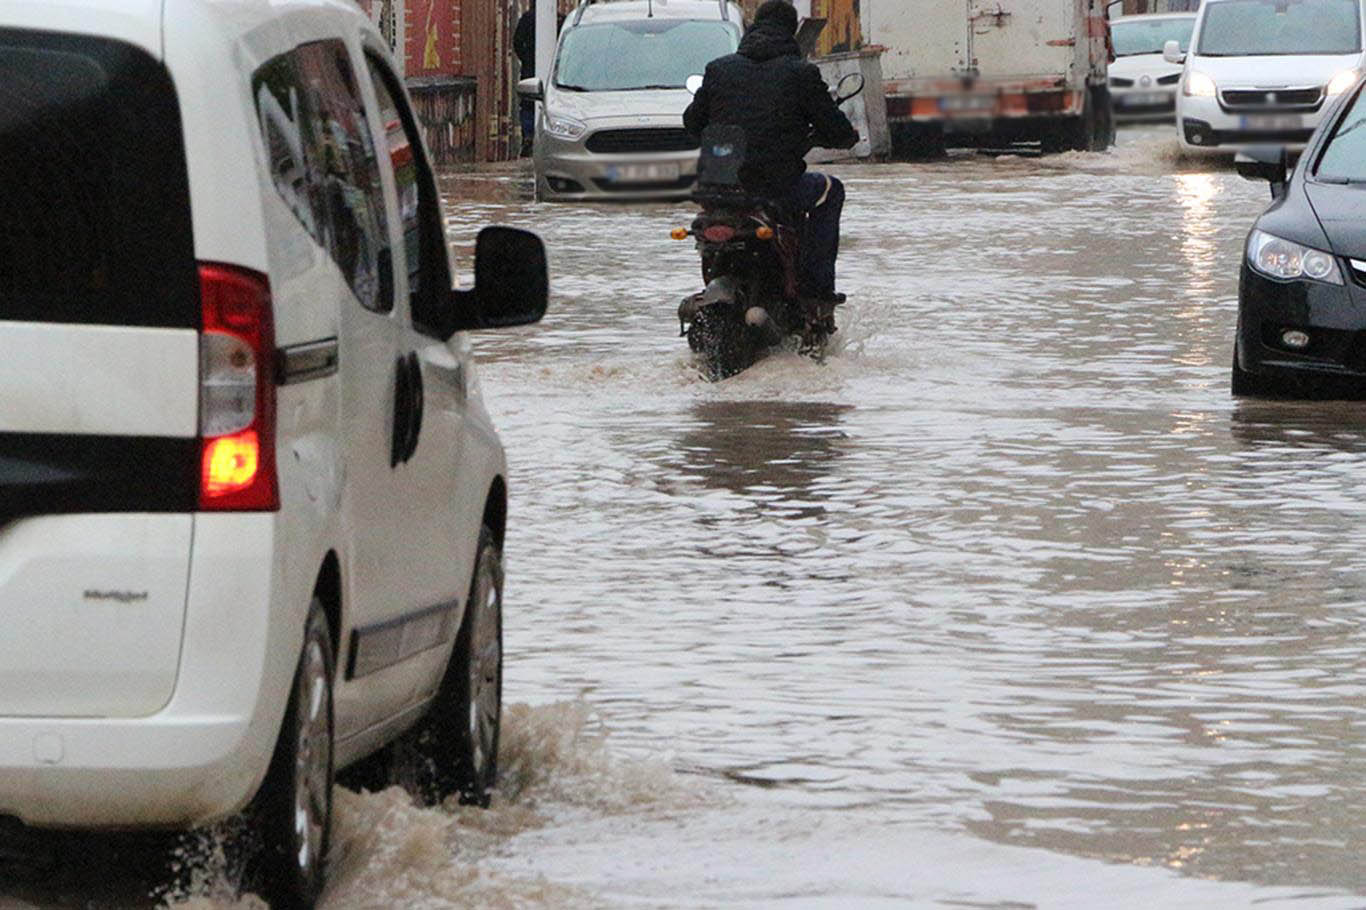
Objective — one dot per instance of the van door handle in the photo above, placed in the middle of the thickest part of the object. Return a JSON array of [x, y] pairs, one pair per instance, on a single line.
[[403, 411], [418, 404]]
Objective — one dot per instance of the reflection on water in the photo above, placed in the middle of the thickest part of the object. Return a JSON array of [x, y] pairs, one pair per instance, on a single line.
[[773, 452], [1012, 563]]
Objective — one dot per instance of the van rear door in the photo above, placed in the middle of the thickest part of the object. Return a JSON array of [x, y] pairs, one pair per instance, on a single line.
[[99, 366]]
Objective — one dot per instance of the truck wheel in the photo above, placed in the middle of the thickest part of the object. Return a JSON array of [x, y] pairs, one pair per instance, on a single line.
[[457, 742], [918, 140], [293, 810]]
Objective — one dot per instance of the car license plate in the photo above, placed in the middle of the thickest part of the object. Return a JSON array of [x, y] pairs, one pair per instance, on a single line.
[[968, 105], [1148, 99], [1273, 122], [643, 173]]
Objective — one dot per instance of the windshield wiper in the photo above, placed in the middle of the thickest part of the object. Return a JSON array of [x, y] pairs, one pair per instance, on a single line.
[[573, 88]]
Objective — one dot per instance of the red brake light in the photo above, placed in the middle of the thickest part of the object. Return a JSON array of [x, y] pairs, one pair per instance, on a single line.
[[236, 392], [719, 233]]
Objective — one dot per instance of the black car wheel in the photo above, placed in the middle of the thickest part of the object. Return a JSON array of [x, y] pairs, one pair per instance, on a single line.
[[293, 810], [457, 743]]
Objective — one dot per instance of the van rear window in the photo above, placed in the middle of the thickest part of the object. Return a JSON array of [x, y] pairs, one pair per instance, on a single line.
[[95, 215]]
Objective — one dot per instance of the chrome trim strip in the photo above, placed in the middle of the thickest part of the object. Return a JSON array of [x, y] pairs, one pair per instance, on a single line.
[[385, 644], [310, 360]]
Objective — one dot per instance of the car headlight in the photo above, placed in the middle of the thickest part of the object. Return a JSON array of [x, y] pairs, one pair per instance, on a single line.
[[1279, 258], [1343, 82], [1198, 85], [563, 127]]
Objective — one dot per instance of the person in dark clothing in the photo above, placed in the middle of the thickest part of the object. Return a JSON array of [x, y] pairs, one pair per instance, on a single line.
[[524, 46], [785, 109]]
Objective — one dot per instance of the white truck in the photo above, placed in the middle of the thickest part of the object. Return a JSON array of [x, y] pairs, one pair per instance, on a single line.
[[994, 73]]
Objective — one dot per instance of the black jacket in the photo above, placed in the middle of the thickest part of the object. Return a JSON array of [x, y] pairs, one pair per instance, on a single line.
[[779, 100]]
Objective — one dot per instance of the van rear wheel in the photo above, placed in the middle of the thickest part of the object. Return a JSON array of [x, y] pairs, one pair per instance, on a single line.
[[293, 810]]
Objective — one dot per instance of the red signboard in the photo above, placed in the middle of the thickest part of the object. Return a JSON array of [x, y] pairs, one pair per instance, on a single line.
[[433, 38]]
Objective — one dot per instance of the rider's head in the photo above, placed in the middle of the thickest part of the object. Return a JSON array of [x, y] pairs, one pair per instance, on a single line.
[[778, 13]]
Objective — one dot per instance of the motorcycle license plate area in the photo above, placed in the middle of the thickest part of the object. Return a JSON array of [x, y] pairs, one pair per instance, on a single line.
[[643, 173], [1273, 122]]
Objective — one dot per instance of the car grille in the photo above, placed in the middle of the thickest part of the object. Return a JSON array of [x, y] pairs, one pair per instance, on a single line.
[[670, 186], [1169, 80], [1121, 82], [1279, 99], [653, 139]]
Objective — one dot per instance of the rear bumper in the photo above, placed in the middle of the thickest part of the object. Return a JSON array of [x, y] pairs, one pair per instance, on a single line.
[[203, 756]]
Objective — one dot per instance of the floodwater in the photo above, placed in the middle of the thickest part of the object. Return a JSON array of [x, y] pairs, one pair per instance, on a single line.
[[1006, 604]]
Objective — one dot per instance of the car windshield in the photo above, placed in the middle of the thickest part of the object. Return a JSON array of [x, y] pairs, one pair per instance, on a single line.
[[640, 54], [1139, 36], [1344, 157], [1244, 28]]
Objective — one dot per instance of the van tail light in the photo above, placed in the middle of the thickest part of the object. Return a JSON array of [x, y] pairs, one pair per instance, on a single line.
[[236, 392]]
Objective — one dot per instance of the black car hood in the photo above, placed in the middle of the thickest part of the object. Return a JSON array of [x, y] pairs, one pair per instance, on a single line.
[[1342, 212]]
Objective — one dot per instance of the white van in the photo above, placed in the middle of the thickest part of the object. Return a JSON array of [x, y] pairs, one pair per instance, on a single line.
[[251, 504], [1265, 71]]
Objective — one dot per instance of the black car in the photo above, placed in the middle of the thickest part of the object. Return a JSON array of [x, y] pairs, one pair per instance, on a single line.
[[1302, 296]]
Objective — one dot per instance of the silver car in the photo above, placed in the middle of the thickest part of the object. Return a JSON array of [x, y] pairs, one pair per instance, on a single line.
[[610, 122]]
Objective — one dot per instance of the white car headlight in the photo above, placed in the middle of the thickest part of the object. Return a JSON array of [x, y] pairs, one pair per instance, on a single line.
[[563, 127], [1198, 85], [1343, 82], [1279, 258]]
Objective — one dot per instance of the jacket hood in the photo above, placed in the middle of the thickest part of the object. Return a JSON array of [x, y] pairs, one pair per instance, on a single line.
[[764, 42]]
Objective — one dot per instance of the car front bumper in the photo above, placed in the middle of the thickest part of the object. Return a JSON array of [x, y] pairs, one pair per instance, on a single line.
[[1143, 104], [1333, 316], [1204, 125], [567, 170]]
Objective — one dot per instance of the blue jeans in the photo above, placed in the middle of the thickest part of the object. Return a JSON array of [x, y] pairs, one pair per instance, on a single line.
[[821, 197]]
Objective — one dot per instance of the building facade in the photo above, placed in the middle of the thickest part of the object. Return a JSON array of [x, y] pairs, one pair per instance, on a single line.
[[458, 61]]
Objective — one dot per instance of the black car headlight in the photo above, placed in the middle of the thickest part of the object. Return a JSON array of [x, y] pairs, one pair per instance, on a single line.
[[1277, 257]]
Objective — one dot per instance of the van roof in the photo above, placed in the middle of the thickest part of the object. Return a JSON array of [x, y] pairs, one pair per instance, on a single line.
[[619, 10], [141, 21]]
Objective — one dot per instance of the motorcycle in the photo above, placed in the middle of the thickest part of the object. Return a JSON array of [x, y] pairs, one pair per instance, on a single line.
[[750, 249]]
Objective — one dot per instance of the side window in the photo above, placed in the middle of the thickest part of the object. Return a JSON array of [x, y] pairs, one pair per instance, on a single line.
[[424, 239], [402, 159], [323, 164]]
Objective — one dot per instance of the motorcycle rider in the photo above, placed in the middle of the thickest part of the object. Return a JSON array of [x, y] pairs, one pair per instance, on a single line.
[[785, 109]]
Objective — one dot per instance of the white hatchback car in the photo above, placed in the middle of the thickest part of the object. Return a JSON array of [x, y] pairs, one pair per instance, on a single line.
[[251, 504], [1265, 71]]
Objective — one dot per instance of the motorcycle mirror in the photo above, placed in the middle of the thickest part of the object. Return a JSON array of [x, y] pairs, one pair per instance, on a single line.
[[693, 84], [848, 87]]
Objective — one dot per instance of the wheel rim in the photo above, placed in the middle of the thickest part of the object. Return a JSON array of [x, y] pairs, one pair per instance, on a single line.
[[485, 672], [313, 759]]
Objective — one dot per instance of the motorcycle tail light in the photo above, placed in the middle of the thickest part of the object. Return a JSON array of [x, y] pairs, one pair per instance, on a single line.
[[679, 233], [719, 233], [764, 232]]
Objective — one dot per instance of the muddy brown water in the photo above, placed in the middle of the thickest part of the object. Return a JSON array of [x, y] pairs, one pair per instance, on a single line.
[[1008, 603]]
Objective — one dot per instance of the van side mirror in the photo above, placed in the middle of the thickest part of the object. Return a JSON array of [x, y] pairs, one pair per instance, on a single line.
[[1265, 162], [531, 89], [1171, 52], [511, 282]]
